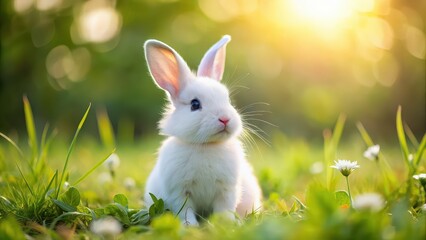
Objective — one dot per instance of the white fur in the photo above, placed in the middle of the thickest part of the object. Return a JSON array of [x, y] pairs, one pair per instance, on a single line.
[[202, 160]]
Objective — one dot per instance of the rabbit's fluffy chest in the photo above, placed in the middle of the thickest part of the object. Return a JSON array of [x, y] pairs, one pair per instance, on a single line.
[[203, 173]]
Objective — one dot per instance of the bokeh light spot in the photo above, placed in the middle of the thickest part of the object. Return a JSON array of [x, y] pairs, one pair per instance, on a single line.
[[415, 42], [43, 33], [22, 6], [45, 5], [382, 7], [225, 10], [98, 22], [365, 78], [55, 61], [82, 61], [386, 70], [66, 66], [379, 33]]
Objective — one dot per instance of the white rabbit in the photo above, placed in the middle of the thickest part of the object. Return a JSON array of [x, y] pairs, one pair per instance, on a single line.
[[202, 160]]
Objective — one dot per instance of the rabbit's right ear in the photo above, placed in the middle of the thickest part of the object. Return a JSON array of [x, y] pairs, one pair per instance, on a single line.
[[166, 66], [213, 63]]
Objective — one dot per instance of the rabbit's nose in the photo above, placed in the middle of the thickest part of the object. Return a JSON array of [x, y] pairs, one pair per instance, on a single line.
[[224, 120]]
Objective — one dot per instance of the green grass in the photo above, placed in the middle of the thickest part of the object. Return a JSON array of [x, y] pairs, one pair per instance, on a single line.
[[55, 187]]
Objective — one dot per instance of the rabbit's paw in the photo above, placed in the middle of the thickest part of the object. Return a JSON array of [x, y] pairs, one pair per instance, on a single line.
[[188, 223]]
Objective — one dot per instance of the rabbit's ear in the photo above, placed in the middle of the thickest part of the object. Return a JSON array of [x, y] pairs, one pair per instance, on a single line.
[[213, 62], [166, 66]]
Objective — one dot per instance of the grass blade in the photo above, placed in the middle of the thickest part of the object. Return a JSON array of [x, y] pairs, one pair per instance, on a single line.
[[105, 128], [25, 180], [338, 130], [401, 137], [420, 151], [55, 176], [411, 135], [330, 146], [328, 158], [41, 162], [44, 135], [384, 167], [43, 154], [57, 219], [80, 125], [13, 143], [183, 205], [32, 135], [92, 169], [364, 134]]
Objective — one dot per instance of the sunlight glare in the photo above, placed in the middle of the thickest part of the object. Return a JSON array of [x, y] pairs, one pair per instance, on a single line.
[[322, 12]]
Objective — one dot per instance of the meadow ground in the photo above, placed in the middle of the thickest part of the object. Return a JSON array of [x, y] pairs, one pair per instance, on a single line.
[[57, 187]]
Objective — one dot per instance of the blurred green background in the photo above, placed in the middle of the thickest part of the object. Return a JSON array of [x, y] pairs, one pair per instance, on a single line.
[[310, 60]]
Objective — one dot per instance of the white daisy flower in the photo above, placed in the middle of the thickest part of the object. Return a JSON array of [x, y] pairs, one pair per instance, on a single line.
[[372, 152], [423, 208], [316, 167], [346, 167], [373, 202], [112, 162], [104, 178], [421, 177], [129, 183], [107, 226]]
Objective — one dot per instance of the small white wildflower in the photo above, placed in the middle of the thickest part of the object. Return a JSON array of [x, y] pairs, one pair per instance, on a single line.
[[423, 208], [369, 201], [316, 167], [346, 167], [421, 177], [107, 226], [66, 185], [372, 152], [104, 178], [129, 183], [112, 162], [410, 157]]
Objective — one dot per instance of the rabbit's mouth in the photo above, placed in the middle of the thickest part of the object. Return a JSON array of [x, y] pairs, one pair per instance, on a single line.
[[225, 131], [222, 134]]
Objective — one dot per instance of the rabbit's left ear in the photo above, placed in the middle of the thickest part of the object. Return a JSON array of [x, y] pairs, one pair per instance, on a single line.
[[167, 67], [213, 63]]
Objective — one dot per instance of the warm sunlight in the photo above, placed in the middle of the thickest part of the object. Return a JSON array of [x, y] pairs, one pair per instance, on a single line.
[[322, 12], [302, 119]]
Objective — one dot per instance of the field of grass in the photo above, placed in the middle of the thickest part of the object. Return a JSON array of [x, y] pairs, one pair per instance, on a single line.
[[55, 187]]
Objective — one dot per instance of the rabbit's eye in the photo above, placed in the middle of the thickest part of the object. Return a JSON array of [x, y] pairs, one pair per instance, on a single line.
[[195, 104]]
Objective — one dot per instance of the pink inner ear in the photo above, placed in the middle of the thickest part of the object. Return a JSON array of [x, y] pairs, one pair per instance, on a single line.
[[213, 63], [164, 69], [219, 64]]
